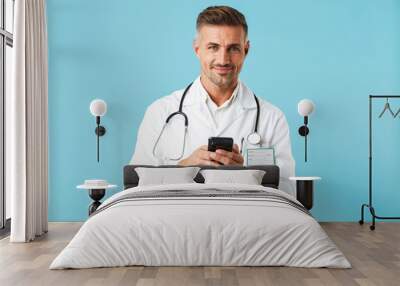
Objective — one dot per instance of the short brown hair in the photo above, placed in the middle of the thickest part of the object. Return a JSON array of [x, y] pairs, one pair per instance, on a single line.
[[221, 15]]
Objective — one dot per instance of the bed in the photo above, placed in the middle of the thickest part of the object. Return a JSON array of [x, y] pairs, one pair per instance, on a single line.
[[201, 224]]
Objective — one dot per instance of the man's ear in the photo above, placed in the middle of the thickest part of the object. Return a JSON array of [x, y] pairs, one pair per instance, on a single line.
[[247, 48], [195, 45]]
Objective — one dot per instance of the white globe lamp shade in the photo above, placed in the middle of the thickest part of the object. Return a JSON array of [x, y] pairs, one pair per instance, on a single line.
[[305, 107], [98, 107]]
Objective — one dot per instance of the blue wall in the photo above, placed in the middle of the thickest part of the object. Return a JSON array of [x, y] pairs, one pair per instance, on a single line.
[[130, 53]]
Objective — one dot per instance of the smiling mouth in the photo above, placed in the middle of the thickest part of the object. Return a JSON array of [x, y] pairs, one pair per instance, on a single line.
[[223, 70]]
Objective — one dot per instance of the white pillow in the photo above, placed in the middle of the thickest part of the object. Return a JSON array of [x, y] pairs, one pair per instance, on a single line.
[[166, 176], [248, 177]]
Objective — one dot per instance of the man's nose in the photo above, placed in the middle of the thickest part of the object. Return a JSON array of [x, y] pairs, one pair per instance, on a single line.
[[223, 57]]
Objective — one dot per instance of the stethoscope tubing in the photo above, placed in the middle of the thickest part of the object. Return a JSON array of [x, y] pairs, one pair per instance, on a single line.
[[180, 112]]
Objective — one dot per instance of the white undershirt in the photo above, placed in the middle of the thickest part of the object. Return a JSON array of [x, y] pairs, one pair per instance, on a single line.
[[219, 113]]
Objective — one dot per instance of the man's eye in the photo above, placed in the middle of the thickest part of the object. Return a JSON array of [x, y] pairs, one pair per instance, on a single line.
[[213, 48], [235, 49]]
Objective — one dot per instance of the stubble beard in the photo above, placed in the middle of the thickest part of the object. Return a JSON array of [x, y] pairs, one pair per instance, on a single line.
[[221, 81]]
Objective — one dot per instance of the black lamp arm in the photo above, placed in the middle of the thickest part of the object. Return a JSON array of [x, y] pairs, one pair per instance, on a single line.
[[303, 131], [100, 131]]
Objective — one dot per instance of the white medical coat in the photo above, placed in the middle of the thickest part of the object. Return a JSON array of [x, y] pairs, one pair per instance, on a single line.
[[272, 127]]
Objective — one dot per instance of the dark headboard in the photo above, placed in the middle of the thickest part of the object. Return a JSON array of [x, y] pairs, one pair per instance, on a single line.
[[270, 179]]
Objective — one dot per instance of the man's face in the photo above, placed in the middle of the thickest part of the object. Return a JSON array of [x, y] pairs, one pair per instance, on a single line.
[[221, 51]]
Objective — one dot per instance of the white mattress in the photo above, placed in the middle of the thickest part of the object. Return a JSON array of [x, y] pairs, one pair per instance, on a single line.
[[200, 231]]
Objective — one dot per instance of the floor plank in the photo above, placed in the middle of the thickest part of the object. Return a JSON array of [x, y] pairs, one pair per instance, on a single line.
[[374, 255]]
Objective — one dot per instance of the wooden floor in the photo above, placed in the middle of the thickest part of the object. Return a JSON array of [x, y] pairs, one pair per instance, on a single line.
[[375, 257]]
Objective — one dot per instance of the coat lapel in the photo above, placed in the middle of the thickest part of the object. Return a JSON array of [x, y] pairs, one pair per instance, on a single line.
[[243, 102]]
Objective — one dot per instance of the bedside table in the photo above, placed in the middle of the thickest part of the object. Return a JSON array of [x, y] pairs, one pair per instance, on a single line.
[[305, 190], [97, 190]]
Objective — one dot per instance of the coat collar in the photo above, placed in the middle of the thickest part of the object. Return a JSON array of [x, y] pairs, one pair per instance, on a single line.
[[197, 95]]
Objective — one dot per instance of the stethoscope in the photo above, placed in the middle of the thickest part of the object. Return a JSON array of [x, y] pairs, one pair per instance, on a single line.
[[253, 138]]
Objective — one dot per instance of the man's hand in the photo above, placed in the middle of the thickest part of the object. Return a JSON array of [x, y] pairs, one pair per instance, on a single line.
[[228, 158], [202, 156]]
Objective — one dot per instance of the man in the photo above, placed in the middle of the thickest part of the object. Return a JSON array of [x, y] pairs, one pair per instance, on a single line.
[[216, 104]]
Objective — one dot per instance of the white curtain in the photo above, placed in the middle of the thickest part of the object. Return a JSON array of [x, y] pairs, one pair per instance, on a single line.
[[26, 129]]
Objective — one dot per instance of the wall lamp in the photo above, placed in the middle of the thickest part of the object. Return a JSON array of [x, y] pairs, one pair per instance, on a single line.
[[305, 108], [98, 108]]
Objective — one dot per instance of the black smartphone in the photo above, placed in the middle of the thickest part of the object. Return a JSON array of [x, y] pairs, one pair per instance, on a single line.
[[225, 143]]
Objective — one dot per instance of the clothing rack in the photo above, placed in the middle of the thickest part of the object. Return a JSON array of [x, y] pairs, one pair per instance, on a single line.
[[370, 205]]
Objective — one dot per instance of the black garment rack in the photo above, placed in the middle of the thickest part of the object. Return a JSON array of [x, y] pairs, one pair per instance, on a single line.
[[369, 205]]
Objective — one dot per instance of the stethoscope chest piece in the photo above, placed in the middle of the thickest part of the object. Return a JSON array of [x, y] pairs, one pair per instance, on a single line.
[[254, 138]]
